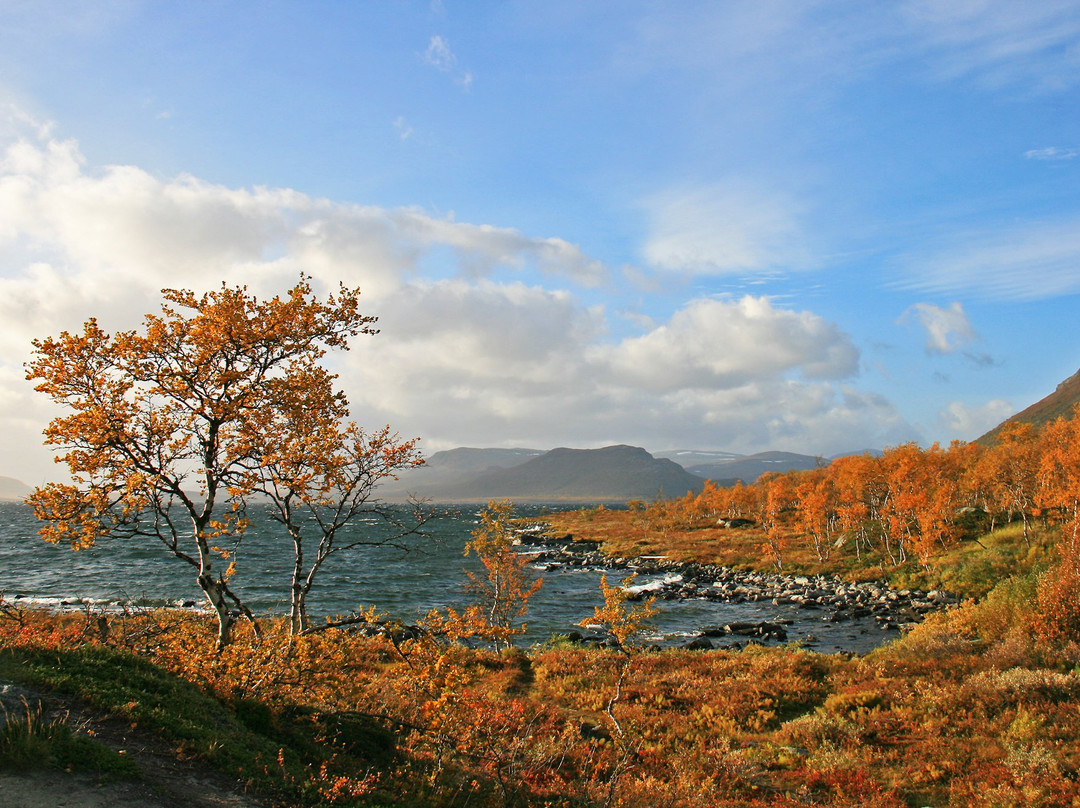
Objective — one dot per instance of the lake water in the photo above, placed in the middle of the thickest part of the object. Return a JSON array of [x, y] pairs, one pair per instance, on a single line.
[[403, 585]]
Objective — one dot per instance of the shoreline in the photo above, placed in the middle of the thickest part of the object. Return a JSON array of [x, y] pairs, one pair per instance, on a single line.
[[825, 598]]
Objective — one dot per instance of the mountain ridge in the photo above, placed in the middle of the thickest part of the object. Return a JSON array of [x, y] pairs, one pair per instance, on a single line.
[[1061, 402], [13, 490], [611, 474]]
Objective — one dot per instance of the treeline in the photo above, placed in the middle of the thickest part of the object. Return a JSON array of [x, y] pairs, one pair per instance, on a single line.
[[908, 505]]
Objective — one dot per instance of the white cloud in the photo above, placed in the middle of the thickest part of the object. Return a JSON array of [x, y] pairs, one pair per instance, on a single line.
[[724, 229], [1028, 261], [999, 44], [763, 55], [970, 422], [788, 415], [1052, 153], [126, 224], [947, 330], [404, 130], [478, 344], [718, 343], [439, 55]]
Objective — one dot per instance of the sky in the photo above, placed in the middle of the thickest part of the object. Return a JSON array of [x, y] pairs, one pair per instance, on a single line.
[[805, 226]]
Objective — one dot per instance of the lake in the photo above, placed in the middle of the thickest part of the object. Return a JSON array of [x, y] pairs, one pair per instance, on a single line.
[[404, 585]]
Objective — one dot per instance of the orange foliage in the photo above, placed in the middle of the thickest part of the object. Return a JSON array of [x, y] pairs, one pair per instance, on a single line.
[[907, 507], [508, 585], [934, 719], [171, 429]]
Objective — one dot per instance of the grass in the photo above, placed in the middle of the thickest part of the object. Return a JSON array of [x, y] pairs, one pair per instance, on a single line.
[[31, 740], [974, 567], [969, 708], [276, 748]]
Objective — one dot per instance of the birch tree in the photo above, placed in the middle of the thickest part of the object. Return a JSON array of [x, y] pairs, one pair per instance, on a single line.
[[164, 425]]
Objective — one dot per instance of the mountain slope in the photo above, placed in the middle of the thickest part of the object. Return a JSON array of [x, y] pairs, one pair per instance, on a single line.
[[749, 468], [612, 474], [1061, 402], [695, 457], [10, 488], [464, 460], [450, 467]]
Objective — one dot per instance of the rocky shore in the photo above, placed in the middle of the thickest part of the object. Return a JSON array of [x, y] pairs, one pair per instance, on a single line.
[[823, 597]]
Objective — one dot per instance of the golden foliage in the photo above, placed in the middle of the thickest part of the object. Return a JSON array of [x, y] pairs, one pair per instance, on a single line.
[[170, 429]]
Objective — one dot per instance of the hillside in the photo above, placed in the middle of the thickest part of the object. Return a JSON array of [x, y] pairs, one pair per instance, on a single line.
[[1059, 403], [450, 468], [612, 474], [12, 489]]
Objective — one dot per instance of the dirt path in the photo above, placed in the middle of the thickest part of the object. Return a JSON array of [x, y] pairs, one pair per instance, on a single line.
[[166, 781], [53, 789]]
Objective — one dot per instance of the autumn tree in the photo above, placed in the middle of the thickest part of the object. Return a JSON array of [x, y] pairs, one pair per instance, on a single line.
[[622, 623], [507, 585], [165, 425], [816, 509], [940, 475], [1011, 467], [1059, 480], [320, 476], [859, 491], [777, 501]]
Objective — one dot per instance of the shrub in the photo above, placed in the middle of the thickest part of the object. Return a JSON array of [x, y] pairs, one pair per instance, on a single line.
[[1058, 598]]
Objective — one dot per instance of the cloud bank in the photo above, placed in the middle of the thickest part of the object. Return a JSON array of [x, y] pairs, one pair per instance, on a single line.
[[487, 336]]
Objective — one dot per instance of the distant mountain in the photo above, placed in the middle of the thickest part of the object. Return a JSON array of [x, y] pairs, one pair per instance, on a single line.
[[693, 457], [10, 488], [750, 467], [451, 467], [612, 474], [466, 460], [1059, 403], [871, 452]]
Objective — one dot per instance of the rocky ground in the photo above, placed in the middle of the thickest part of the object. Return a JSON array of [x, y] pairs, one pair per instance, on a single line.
[[828, 596]]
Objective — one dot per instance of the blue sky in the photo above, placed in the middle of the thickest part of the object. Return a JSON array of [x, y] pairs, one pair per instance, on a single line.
[[742, 226]]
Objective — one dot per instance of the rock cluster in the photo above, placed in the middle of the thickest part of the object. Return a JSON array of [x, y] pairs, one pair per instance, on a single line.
[[834, 599]]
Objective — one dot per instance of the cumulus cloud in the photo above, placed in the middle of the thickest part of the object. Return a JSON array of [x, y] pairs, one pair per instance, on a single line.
[[947, 330], [969, 422], [724, 229], [719, 343], [123, 222], [1027, 261]]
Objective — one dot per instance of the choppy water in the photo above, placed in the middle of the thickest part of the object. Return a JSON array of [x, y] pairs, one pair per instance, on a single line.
[[403, 585]]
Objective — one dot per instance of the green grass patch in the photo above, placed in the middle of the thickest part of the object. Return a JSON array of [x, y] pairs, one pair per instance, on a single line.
[[277, 749], [31, 740], [974, 567]]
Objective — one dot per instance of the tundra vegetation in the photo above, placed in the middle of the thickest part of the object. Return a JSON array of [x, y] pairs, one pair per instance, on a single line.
[[974, 706]]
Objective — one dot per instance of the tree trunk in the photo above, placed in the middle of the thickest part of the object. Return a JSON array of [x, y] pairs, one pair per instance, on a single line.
[[215, 593]]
